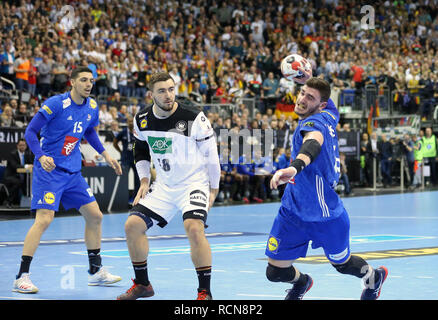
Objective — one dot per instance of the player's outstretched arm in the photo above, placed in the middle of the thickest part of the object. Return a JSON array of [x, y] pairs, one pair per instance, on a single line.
[[310, 149], [113, 163]]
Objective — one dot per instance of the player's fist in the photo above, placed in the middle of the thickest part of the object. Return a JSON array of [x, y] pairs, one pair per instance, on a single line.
[[282, 176], [47, 163]]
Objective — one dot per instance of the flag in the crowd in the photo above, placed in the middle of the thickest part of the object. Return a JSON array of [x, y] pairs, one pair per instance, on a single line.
[[370, 119]]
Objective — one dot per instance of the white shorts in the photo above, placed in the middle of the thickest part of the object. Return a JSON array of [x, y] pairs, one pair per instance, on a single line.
[[161, 203]]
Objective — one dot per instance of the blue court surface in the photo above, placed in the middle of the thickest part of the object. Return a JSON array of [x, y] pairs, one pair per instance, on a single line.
[[399, 231]]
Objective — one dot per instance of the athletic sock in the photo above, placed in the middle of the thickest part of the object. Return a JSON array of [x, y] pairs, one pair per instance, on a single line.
[[301, 281], [204, 277], [94, 260], [141, 272], [25, 265]]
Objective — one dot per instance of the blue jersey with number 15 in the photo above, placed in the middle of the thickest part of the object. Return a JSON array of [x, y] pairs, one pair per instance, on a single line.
[[311, 195], [67, 123]]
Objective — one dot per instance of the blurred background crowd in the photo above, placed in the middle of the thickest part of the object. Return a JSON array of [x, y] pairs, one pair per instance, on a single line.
[[225, 57]]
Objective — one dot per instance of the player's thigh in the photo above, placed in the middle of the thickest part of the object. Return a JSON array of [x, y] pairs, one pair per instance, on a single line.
[[78, 193], [193, 201], [194, 227], [334, 237], [47, 189], [287, 239], [280, 263], [44, 217], [157, 207], [91, 212]]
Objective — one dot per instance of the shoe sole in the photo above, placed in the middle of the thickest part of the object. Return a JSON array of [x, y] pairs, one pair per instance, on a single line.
[[311, 285], [25, 291], [384, 278], [148, 295], [106, 283]]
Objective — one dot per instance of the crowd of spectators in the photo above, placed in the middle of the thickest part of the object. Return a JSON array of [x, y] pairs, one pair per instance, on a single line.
[[217, 51]]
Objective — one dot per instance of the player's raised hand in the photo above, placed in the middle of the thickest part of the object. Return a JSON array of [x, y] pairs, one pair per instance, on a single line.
[[47, 163], [142, 190], [306, 75], [282, 176]]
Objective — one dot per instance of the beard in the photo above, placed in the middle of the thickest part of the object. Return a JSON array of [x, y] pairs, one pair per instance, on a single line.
[[164, 106]]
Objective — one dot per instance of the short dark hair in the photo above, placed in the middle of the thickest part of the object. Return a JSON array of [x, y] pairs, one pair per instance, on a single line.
[[75, 73], [158, 77], [321, 85]]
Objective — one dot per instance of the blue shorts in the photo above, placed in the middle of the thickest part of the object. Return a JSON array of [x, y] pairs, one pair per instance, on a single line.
[[289, 237], [49, 189]]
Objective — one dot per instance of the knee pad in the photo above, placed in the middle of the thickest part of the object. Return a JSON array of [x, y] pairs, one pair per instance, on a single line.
[[276, 274], [355, 266]]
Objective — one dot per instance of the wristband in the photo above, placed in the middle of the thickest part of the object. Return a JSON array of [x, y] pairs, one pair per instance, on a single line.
[[298, 164]]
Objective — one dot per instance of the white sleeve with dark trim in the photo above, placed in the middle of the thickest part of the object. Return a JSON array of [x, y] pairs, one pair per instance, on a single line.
[[142, 157], [203, 132]]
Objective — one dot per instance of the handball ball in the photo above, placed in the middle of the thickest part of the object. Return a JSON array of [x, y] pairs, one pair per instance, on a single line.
[[290, 64]]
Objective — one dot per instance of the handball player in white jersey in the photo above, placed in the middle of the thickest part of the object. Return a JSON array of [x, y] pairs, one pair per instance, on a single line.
[[179, 141]]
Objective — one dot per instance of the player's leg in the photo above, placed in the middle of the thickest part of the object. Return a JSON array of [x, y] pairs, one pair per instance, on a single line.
[[336, 244], [193, 203], [47, 189], [78, 195], [142, 217], [285, 271], [287, 243], [93, 235], [200, 254], [138, 246], [43, 218]]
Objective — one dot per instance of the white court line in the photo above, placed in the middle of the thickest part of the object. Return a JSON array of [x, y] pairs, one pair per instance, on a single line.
[[17, 298]]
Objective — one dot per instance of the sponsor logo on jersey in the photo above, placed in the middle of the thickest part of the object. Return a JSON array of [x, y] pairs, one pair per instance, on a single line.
[[49, 198], [181, 125], [93, 104], [339, 256], [160, 145], [273, 244], [198, 198], [66, 103], [69, 145], [47, 109], [309, 124]]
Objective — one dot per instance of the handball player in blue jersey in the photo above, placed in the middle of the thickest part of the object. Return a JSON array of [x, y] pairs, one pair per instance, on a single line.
[[310, 208], [62, 122]]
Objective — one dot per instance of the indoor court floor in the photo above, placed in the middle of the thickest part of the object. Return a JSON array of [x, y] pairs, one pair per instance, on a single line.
[[399, 231]]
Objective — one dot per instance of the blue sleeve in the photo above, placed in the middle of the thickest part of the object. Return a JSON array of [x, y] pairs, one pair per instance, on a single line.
[[31, 134], [93, 139], [51, 107]]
